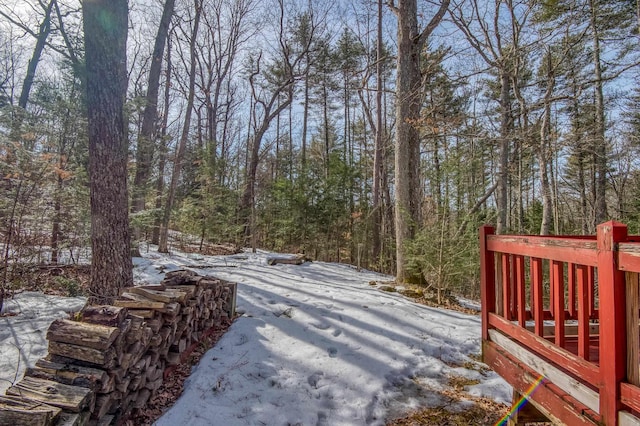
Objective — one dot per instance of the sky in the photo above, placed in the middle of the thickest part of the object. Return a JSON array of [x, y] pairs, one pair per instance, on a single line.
[[316, 344]]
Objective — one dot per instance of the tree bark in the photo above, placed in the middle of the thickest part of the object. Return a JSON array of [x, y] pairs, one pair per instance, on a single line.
[[105, 33], [407, 141]]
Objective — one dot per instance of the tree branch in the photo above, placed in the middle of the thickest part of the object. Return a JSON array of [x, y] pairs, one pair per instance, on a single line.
[[435, 20]]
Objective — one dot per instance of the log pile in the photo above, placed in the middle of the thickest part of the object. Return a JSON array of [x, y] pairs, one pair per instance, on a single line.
[[112, 359]]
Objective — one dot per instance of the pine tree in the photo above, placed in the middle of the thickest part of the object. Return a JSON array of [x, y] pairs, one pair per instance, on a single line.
[[105, 25]]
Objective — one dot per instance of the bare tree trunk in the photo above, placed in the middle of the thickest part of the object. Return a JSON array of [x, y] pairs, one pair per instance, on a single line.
[[407, 142], [43, 34], [506, 124], [600, 142], [184, 138], [41, 40], [162, 148], [146, 139], [379, 149], [248, 195], [105, 32], [543, 151], [305, 120]]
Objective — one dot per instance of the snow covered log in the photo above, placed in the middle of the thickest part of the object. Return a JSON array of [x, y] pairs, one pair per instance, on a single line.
[[297, 260]]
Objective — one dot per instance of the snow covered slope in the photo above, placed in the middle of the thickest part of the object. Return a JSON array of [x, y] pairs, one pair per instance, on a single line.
[[319, 345]]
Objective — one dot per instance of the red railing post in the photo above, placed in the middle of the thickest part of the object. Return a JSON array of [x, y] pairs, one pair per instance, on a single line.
[[487, 279], [537, 300], [613, 348]]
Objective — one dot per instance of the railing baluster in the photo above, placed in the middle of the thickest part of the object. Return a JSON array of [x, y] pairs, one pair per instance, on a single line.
[[521, 303], [633, 328], [557, 279], [552, 291], [487, 280], [583, 312], [571, 284], [591, 295], [537, 306], [506, 286]]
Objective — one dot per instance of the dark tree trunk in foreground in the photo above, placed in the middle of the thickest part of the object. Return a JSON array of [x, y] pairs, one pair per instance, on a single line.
[[105, 25]]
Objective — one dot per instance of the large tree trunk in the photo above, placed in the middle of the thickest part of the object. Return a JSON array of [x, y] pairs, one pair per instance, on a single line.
[[105, 33], [407, 142], [146, 139], [408, 84]]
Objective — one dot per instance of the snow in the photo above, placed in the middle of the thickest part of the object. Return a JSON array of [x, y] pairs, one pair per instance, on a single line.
[[317, 344], [23, 333]]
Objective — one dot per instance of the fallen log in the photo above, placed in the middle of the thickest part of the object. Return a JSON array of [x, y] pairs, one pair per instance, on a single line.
[[298, 260]]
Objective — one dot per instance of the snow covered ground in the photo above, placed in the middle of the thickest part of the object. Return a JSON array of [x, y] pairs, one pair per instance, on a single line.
[[23, 335], [317, 344]]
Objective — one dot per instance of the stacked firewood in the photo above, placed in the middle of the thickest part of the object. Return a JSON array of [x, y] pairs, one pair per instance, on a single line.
[[111, 359]]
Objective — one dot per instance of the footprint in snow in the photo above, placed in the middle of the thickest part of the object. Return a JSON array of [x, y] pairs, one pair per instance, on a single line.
[[314, 379], [322, 418], [242, 340], [336, 332], [321, 326], [333, 352]]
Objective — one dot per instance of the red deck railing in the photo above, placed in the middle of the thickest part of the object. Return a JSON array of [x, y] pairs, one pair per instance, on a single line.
[[566, 308]]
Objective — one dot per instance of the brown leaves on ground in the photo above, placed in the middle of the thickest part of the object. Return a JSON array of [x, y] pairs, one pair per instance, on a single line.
[[58, 280], [482, 412]]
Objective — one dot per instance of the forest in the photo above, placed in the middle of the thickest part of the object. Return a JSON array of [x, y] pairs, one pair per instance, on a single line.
[[376, 133]]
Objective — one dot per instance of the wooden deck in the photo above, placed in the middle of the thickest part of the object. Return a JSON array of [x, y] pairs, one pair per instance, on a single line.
[[565, 310]]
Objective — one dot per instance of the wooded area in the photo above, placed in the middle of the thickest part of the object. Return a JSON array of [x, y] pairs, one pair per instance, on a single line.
[[292, 126]]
